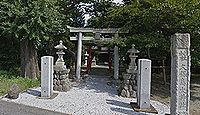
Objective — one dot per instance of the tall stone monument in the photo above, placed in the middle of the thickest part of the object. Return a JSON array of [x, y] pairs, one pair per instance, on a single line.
[[143, 88], [129, 86], [46, 76], [180, 74], [61, 73], [144, 83]]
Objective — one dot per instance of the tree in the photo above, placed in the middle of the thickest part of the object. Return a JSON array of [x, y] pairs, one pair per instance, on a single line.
[[152, 22], [30, 21], [98, 13]]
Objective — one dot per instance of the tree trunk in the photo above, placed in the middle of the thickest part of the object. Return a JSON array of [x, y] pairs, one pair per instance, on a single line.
[[29, 64]]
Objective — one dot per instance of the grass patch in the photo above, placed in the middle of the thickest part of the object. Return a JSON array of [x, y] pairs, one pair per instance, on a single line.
[[7, 79]]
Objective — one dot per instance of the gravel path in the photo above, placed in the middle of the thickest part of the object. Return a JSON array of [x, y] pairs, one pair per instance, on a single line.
[[92, 97]]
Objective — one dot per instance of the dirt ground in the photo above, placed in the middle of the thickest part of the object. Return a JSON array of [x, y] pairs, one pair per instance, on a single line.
[[161, 92]]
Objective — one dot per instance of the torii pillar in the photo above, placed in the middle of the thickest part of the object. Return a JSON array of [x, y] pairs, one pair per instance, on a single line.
[[116, 59], [78, 65]]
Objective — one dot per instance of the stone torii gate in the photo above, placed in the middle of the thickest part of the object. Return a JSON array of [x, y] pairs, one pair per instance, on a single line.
[[97, 33]]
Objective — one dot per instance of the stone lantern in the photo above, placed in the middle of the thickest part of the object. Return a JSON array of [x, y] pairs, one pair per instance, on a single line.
[[86, 58], [60, 53], [132, 65], [61, 72], [128, 87]]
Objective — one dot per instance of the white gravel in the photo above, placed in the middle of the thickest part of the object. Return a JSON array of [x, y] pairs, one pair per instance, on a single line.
[[93, 97]]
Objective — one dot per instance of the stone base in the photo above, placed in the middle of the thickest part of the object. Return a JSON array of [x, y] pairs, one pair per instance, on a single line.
[[64, 87], [127, 89], [127, 93], [60, 63], [137, 109], [61, 81], [52, 97]]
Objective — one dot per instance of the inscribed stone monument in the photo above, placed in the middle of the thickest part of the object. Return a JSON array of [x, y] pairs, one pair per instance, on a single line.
[[180, 74]]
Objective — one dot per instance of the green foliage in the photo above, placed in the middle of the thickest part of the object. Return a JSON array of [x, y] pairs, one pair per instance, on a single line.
[[151, 23], [98, 13], [32, 19], [39, 21], [7, 79], [166, 17]]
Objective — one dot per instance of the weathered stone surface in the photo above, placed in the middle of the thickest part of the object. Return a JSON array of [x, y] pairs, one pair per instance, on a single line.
[[55, 76], [13, 92], [127, 93], [126, 87], [46, 76], [63, 76], [58, 82], [130, 88], [135, 88], [129, 81], [54, 81], [180, 74], [67, 81], [62, 82], [133, 94], [61, 72], [123, 93], [66, 87], [144, 83], [60, 88], [55, 87]]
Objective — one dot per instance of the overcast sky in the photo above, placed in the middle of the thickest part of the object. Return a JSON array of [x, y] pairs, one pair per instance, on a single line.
[[118, 1]]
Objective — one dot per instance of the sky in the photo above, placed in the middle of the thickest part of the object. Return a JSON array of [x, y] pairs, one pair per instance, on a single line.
[[118, 1]]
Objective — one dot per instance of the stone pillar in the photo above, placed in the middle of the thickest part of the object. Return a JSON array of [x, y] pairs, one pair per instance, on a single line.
[[116, 58], [46, 76], [144, 83], [116, 62], [180, 74], [89, 58], [78, 66], [109, 61]]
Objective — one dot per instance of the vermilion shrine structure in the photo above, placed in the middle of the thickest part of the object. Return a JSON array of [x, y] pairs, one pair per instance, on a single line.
[[96, 36]]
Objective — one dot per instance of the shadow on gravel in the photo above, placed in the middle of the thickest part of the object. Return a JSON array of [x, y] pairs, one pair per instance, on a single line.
[[118, 103], [122, 107], [33, 92], [125, 111]]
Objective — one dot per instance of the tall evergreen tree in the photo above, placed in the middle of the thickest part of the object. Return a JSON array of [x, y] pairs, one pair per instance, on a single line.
[[30, 21]]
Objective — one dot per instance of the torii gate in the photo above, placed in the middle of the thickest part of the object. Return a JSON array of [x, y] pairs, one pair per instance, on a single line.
[[97, 33]]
